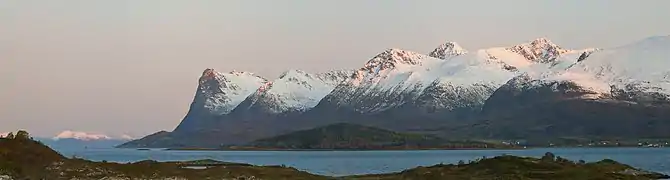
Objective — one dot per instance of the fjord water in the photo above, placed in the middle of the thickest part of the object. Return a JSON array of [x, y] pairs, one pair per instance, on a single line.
[[340, 163]]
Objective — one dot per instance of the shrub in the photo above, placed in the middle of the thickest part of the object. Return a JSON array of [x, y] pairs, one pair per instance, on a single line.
[[10, 135], [563, 160], [549, 157], [22, 135]]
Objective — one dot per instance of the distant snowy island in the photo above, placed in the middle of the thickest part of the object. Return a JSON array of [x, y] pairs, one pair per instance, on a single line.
[[79, 140]]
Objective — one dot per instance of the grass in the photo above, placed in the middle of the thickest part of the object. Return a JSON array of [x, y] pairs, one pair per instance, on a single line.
[[521, 168]]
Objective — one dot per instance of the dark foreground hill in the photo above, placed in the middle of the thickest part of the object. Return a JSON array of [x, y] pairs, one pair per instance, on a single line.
[[23, 158], [548, 167]]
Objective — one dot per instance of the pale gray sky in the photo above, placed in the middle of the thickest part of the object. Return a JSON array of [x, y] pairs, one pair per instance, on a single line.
[[130, 67]]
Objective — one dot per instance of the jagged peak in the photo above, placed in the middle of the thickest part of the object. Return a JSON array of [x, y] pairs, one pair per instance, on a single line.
[[210, 75], [398, 56], [539, 43], [336, 72], [293, 73], [211, 72], [393, 56], [335, 75], [448, 49], [244, 73], [539, 50], [542, 40]]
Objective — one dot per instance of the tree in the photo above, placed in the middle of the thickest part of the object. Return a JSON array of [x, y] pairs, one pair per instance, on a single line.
[[22, 135], [461, 162], [10, 135]]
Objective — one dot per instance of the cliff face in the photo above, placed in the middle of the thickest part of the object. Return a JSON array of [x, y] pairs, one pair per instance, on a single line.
[[218, 94]]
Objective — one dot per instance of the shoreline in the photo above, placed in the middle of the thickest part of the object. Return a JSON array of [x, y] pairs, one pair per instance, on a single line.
[[297, 150], [414, 149]]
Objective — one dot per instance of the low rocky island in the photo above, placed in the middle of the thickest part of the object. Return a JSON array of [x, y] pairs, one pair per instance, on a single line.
[[347, 136], [23, 158]]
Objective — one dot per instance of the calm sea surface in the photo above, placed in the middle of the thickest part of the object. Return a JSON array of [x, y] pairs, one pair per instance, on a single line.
[[339, 163]]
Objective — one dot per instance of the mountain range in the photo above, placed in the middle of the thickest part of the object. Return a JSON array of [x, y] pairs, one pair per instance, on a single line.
[[529, 90]]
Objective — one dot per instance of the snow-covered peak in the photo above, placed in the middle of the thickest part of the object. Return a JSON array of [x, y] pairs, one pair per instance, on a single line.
[[446, 50], [539, 50], [4, 134], [542, 41], [296, 90], [208, 74], [393, 57], [211, 74], [243, 73], [85, 136], [222, 92], [293, 73]]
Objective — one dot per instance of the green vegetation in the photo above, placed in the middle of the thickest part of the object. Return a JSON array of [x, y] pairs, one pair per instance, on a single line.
[[23, 158], [520, 168], [343, 136]]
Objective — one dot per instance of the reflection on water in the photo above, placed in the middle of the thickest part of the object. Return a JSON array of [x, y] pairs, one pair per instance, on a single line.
[[338, 163]]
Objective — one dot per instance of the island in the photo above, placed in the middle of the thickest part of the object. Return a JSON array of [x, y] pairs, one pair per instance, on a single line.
[[21, 157], [347, 136]]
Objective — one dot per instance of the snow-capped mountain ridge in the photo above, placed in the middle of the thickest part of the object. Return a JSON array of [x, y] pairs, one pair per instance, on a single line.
[[637, 67], [391, 70], [396, 89], [294, 91], [450, 70]]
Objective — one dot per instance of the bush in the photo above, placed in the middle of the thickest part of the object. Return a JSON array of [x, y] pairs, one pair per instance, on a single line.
[[549, 157], [10, 135], [563, 160], [22, 135]]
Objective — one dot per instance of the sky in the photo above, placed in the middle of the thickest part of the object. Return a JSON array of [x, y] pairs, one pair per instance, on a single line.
[[127, 67]]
